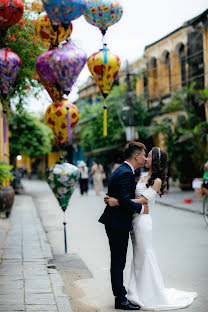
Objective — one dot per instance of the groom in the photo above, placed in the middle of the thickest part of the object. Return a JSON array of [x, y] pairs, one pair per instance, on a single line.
[[118, 219]]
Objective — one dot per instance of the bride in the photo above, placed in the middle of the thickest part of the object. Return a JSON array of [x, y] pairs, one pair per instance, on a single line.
[[146, 286]]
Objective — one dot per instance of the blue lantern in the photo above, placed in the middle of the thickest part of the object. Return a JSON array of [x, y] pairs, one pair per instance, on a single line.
[[64, 11], [103, 13]]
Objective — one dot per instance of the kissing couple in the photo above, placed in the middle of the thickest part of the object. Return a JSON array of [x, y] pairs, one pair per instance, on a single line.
[[128, 211]]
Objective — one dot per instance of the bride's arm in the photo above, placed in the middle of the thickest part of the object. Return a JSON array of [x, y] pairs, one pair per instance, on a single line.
[[111, 201], [141, 200]]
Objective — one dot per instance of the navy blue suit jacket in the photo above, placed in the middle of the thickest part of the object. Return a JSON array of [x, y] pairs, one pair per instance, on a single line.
[[121, 186]]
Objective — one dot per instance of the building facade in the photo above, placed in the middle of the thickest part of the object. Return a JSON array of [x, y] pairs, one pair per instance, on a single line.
[[172, 63]]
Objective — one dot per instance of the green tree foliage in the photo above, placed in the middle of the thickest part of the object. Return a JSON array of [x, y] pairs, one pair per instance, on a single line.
[[186, 141], [5, 173], [29, 136], [21, 39], [91, 124]]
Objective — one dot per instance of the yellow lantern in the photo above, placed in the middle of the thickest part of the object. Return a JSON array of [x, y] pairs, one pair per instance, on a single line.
[[104, 67], [51, 33], [62, 117]]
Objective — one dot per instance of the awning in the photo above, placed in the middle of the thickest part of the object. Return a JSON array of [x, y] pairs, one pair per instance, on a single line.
[[103, 150]]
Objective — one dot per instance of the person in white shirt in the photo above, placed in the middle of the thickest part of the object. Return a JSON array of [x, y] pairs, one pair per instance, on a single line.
[[83, 177]]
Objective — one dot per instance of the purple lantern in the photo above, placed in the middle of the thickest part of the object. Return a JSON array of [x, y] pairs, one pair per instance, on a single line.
[[10, 64], [67, 63], [43, 68], [64, 11]]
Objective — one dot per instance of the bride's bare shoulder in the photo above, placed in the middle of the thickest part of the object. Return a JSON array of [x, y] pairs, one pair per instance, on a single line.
[[157, 184]]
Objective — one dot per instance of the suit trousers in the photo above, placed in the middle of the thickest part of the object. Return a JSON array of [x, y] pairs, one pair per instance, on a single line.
[[118, 241]]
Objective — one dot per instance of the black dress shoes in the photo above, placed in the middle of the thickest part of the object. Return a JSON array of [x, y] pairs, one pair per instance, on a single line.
[[126, 305]]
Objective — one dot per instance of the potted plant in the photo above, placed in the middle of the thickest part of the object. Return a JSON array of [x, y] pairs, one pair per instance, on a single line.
[[7, 192]]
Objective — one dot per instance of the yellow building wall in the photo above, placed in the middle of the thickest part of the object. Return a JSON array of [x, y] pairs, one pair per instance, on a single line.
[[175, 68], [4, 148], [53, 157], [163, 78], [205, 46], [153, 90], [140, 86], [25, 163]]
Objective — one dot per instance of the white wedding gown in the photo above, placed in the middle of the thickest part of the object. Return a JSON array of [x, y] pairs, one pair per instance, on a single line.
[[146, 286]]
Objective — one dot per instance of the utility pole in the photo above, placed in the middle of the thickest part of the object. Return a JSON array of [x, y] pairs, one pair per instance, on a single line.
[[130, 133]]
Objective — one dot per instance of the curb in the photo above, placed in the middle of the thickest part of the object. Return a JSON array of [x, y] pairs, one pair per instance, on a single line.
[[178, 207]]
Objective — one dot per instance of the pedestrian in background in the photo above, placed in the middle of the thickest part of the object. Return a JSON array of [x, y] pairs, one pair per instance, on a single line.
[[83, 177], [98, 177], [205, 178]]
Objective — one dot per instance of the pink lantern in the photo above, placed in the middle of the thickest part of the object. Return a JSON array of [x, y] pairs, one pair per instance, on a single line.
[[43, 67], [10, 64], [67, 63]]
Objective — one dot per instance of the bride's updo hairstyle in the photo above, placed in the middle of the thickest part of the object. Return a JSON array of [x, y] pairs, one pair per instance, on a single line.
[[159, 168]]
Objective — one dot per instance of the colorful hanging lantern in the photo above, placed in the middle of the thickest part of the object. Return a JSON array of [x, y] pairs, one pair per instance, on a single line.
[[104, 67], [53, 34], [62, 117], [10, 64], [64, 11], [37, 6], [53, 90], [44, 69], [103, 13], [10, 13], [62, 178], [67, 63]]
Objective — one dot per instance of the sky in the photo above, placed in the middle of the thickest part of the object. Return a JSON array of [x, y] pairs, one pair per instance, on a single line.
[[143, 22]]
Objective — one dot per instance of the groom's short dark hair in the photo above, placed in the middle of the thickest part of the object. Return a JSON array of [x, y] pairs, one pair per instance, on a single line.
[[132, 147]]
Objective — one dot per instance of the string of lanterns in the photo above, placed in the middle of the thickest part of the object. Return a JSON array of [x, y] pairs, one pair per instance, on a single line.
[[59, 68]]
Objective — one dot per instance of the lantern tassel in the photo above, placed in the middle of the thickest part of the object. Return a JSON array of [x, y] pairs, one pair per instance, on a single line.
[[5, 127], [105, 54], [65, 239], [68, 122], [104, 120]]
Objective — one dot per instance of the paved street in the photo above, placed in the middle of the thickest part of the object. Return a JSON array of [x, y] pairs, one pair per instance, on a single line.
[[180, 241]]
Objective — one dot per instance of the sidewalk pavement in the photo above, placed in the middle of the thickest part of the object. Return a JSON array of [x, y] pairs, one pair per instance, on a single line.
[[27, 282], [175, 198]]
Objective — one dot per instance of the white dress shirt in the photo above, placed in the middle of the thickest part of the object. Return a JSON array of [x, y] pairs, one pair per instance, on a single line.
[[132, 168]]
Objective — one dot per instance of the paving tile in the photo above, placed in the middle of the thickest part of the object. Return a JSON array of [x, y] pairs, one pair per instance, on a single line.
[[63, 304], [39, 298], [11, 308], [11, 299], [41, 308]]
